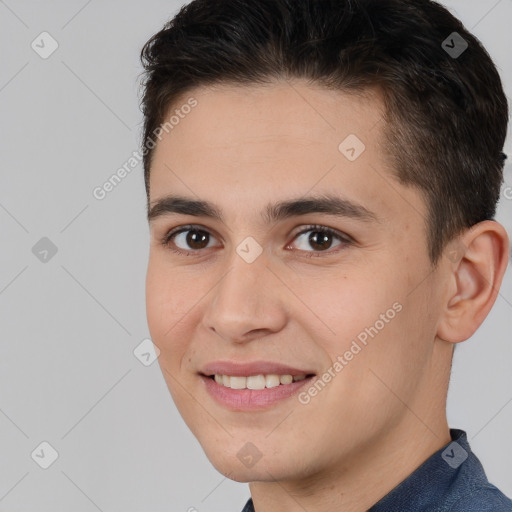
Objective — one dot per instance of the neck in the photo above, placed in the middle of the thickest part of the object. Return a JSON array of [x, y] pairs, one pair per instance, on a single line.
[[358, 481], [357, 484]]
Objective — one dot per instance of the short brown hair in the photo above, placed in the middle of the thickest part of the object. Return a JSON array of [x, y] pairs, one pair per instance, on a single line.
[[446, 113]]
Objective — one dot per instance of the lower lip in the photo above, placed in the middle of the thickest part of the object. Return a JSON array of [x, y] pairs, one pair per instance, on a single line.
[[251, 399]]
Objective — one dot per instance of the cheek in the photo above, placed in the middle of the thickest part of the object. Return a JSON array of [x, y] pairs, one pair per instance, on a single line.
[[167, 304], [368, 321], [341, 308]]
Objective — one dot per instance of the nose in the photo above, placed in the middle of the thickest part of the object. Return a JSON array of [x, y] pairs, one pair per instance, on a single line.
[[247, 303]]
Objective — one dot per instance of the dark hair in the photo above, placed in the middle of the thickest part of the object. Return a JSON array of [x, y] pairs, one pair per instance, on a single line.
[[446, 112]]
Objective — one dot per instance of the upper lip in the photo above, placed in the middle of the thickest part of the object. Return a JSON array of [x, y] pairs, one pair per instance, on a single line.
[[251, 368]]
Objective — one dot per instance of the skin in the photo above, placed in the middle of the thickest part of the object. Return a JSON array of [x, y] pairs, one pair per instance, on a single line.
[[384, 414]]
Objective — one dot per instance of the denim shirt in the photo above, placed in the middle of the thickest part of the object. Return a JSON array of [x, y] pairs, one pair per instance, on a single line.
[[451, 480]]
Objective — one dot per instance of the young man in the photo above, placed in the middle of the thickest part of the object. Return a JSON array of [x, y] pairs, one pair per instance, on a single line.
[[322, 178]]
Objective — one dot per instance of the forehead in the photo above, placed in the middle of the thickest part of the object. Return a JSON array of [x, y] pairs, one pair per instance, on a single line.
[[286, 116], [243, 146]]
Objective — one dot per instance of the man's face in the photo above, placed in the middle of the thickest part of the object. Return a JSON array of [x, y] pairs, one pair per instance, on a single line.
[[364, 297]]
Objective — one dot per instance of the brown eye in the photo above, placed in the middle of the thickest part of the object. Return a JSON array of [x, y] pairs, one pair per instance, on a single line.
[[320, 239], [188, 239], [196, 239]]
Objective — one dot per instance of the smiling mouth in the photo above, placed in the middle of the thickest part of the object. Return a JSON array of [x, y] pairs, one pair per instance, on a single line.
[[257, 382]]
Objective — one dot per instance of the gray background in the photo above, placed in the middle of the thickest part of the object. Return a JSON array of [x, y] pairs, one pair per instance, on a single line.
[[69, 326]]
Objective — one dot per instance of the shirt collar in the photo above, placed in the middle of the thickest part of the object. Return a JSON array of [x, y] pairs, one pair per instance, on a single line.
[[434, 479]]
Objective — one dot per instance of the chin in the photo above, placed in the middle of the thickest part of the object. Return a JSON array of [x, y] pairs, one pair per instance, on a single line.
[[231, 464], [265, 469]]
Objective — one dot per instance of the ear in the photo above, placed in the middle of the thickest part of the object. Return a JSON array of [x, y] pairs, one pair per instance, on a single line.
[[476, 269]]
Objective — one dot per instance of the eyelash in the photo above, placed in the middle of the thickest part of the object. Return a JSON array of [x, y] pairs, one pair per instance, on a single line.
[[345, 239]]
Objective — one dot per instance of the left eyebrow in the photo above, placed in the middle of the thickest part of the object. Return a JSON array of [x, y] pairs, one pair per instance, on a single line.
[[274, 212]]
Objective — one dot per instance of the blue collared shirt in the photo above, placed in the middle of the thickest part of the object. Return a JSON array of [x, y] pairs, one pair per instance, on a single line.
[[451, 480]]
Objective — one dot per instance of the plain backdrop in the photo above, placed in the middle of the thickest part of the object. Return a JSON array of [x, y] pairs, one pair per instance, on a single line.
[[72, 271]]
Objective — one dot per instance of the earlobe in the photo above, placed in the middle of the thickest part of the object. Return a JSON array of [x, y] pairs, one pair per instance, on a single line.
[[476, 263]]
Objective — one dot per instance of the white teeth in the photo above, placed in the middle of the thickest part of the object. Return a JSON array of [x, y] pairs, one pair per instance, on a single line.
[[285, 379], [256, 381], [237, 382], [271, 381]]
